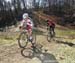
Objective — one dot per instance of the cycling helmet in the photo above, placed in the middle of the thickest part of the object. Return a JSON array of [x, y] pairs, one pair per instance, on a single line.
[[25, 15]]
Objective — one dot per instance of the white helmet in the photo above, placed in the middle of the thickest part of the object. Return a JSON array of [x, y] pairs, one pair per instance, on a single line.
[[25, 15]]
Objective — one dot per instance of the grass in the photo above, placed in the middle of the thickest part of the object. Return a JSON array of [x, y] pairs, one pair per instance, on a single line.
[[59, 33], [8, 38], [69, 33], [4, 41], [63, 52]]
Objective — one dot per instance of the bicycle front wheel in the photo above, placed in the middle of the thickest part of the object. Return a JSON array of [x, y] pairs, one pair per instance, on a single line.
[[23, 41], [27, 52]]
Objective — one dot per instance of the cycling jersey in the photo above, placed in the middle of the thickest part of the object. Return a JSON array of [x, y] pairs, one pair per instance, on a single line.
[[27, 23], [50, 23]]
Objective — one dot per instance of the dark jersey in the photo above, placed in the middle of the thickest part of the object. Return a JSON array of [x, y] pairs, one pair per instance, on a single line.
[[50, 23]]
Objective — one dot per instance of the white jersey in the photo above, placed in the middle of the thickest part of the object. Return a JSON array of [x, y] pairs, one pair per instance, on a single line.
[[28, 22]]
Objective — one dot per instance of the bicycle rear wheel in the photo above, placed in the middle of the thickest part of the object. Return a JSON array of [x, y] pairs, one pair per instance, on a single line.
[[22, 40]]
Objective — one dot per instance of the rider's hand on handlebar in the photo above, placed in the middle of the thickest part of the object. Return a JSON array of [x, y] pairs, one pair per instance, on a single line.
[[20, 27]]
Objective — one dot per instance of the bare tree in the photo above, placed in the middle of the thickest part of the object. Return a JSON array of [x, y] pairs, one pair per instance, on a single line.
[[24, 3]]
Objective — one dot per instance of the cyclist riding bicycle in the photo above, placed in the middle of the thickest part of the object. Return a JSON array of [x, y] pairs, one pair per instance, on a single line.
[[51, 26], [27, 23]]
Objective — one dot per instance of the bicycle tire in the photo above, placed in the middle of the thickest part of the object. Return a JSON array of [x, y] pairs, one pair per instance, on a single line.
[[27, 52], [22, 40]]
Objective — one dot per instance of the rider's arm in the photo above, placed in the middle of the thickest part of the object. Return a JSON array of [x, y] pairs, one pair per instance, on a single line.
[[47, 25], [30, 23], [21, 24]]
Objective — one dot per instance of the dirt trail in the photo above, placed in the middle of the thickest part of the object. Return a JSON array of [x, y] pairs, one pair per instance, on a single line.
[[11, 53]]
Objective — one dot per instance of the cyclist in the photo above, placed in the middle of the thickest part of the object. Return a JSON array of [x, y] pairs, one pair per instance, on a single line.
[[28, 25], [51, 26]]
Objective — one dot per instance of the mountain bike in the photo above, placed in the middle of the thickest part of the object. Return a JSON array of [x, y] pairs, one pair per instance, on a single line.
[[24, 39]]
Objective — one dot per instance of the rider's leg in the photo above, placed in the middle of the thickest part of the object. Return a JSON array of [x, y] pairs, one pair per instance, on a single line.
[[53, 30], [29, 34], [51, 33], [31, 37]]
